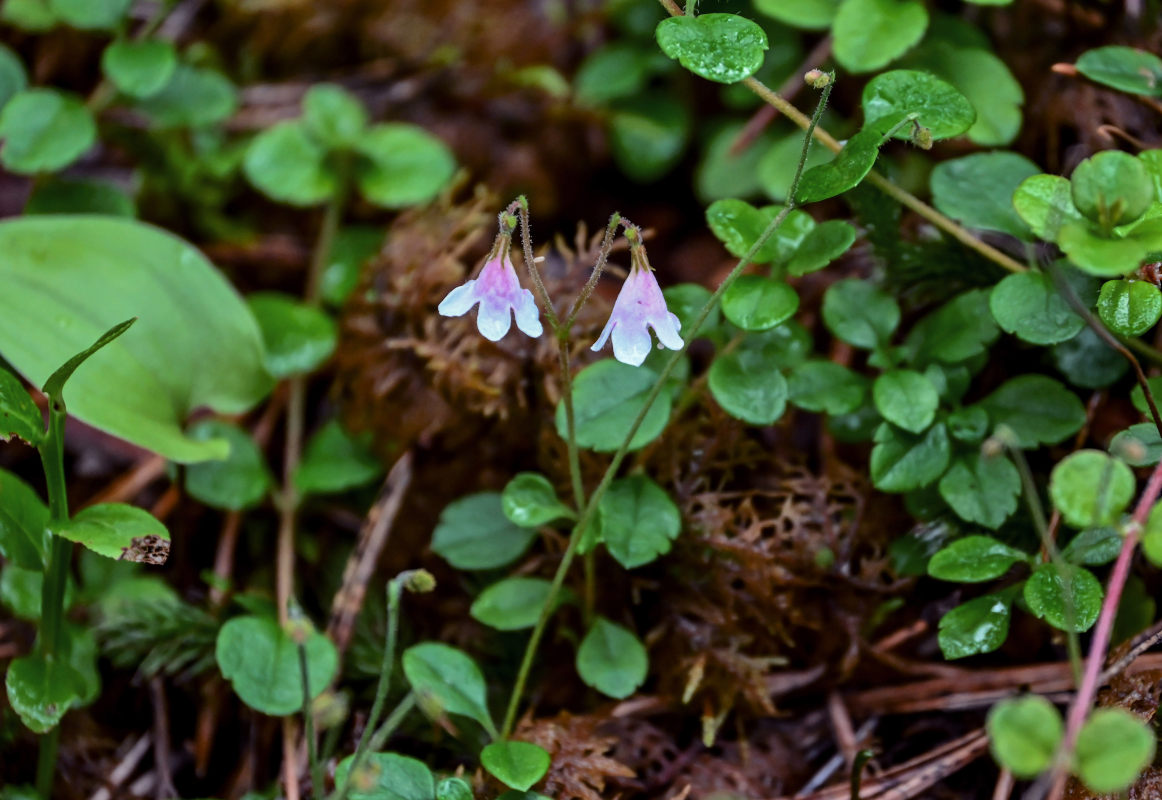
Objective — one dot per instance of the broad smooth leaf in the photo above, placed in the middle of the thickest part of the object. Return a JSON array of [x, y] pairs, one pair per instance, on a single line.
[[13, 78], [195, 342], [298, 337], [515, 764], [638, 520], [287, 165], [1113, 747], [335, 460], [871, 33], [512, 604], [450, 680], [985, 80], [1038, 409], [41, 689], [19, 415], [1125, 68], [139, 68], [826, 386], [389, 776], [978, 190], [90, 14], [261, 661], [1024, 734], [893, 96], [612, 659], [748, 385], [193, 97], [1028, 305], [1138, 445], [959, 330], [807, 14], [648, 133], [406, 165], [979, 626], [718, 47], [758, 303], [44, 130], [1112, 188], [117, 531], [474, 533], [607, 397], [238, 482], [1044, 202], [859, 313], [906, 399], [333, 115], [823, 244], [850, 166]]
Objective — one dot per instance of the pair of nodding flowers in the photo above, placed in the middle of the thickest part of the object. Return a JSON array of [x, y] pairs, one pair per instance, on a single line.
[[639, 306]]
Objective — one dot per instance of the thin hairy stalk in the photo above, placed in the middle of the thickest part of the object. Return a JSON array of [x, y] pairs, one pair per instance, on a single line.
[[309, 725], [526, 238], [394, 592], [1087, 691], [375, 743], [901, 196], [52, 599], [598, 268], [659, 385], [1098, 327]]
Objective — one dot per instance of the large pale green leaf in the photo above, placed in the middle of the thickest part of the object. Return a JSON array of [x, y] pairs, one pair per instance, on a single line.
[[195, 344]]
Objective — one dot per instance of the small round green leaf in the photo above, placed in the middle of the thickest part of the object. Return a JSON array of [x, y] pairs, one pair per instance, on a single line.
[[974, 559], [298, 337], [859, 313], [118, 531], [1112, 188], [1024, 734], [333, 116], [194, 97], [961, 329], [1045, 205], [1038, 409], [335, 460], [1089, 488], [406, 165], [453, 788], [390, 776], [44, 130], [738, 225], [982, 489], [42, 689], [982, 77], [1125, 68], [607, 397], [807, 14], [90, 14], [287, 165], [826, 386], [758, 303], [530, 500], [845, 172], [979, 626], [474, 534], [1113, 747], [748, 385], [1028, 305], [612, 659], [515, 764], [719, 47], [893, 96], [648, 134], [511, 604], [139, 68], [1088, 362], [823, 244], [871, 33], [906, 399], [261, 661], [902, 461], [611, 72], [638, 520], [978, 190], [13, 78], [1129, 308], [1068, 597], [239, 482], [449, 680], [1093, 547]]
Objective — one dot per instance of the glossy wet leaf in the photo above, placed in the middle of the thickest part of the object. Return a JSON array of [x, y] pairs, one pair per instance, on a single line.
[[1112, 188], [239, 481], [869, 34], [474, 534], [390, 776], [41, 689], [1068, 597], [1129, 308], [450, 680], [530, 500], [1152, 536], [612, 659], [982, 77], [639, 521], [982, 489], [893, 96], [906, 399], [298, 337], [287, 165], [902, 461], [738, 225], [19, 415], [1024, 734], [195, 343], [748, 385], [758, 303], [1090, 488], [978, 190], [261, 662], [114, 530], [719, 47], [512, 604], [979, 626], [607, 397], [850, 166], [44, 130], [139, 68], [405, 165], [826, 386], [859, 313], [515, 764], [974, 559], [1028, 305], [1124, 68]]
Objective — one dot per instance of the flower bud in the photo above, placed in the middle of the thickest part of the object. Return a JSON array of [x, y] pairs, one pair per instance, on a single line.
[[817, 78], [418, 581]]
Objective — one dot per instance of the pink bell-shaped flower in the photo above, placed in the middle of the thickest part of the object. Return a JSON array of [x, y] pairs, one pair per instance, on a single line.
[[499, 293], [639, 307]]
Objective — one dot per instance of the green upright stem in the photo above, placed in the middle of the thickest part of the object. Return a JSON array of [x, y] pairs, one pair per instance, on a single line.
[[316, 767], [52, 600], [659, 385], [390, 724]]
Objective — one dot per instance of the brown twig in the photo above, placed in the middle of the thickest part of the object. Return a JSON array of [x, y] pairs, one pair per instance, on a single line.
[[164, 787], [361, 563]]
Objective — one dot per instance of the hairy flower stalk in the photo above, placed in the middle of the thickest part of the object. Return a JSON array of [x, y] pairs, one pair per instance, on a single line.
[[639, 307], [498, 291]]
